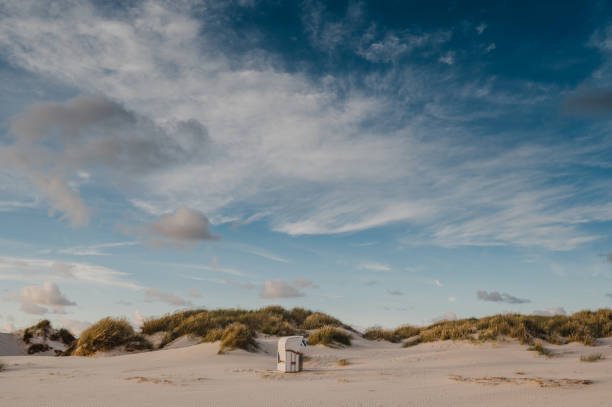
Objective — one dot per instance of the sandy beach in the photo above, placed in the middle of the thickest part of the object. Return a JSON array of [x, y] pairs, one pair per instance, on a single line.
[[444, 373]]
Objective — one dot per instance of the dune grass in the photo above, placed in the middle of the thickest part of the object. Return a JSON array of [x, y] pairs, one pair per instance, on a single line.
[[397, 335], [343, 362], [329, 335], [238, 336], [319, 320], [2, 365], [379, 334], [584, 327], [593, 357], [107, 334], [210, 324], [539, 347]]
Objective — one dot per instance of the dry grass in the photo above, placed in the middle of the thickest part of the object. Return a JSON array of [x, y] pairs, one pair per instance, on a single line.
[[397, 335], [319, 320], [209, 325], [2, 366], [238, 336], [539, 347], [379, 334], [329, 336], [343, 362], [107, 334], [593, 357], [583, 326]]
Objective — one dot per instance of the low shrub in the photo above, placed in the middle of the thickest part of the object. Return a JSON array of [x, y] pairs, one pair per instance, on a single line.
[[107, 334], [238, 336], [593, 357], [37, 348], [64, 336], [329, 335], [1, 366], [539, 347]]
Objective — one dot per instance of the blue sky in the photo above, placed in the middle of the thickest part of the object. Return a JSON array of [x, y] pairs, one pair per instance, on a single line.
[[385, 162]]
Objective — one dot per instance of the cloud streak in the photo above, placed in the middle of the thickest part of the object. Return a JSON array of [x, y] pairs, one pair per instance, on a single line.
[[495, 296], [214, 141], [33, 270], [155, 295]]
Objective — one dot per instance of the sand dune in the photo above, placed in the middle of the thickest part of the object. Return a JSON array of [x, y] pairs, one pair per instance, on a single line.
[[10, 345], [378, 374]]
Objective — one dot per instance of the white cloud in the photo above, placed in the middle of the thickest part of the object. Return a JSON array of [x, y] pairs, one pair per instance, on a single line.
[[213, 267], [480, 28], [395, 292], [373, 266], [448, 58], [153, 295], [263, 253], [437, 283], [47, 294], [495, 296], [33, 309], [452, 299], [33, 270], [73, 325], [94, 250], [34, 298], [550, 312], [183, 226], [302, 283], [490, 47], [279, 289], [158, 66]]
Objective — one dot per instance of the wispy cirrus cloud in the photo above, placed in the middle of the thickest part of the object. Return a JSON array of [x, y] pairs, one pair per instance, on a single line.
[[94, 249], [373, 266], [34, 270], [155, 295], [231, 163]]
